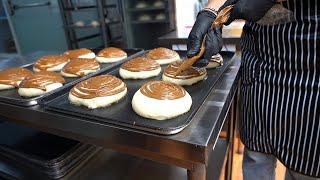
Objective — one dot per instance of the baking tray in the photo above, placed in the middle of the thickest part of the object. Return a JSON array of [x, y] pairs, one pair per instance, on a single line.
[[53, 171], [122, 113], [52, 155], [11, 95], [13, 169]]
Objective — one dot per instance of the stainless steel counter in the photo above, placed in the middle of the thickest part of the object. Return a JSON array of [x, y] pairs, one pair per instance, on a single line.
[[190, 149]]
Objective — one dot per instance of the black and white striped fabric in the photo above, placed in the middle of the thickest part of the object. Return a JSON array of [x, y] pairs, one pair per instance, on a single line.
[[280, 90]]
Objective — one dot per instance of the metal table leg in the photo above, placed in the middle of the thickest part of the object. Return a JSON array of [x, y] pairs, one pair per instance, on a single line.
[[231, 132], [198, 173]]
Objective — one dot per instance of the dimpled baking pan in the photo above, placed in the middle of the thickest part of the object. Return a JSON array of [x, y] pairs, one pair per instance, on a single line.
[[121, 113], [11, 95]]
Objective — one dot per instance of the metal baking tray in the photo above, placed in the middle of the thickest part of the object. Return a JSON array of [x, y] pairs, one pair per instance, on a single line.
[[11, 95], [52, 155], [121, 113]]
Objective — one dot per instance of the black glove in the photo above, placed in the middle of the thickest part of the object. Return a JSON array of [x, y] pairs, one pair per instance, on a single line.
[[250, 10], [213, 40]]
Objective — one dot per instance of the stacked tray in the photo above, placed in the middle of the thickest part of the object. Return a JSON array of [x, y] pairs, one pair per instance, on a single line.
[[122, 114], [50, 156], [11, 95]]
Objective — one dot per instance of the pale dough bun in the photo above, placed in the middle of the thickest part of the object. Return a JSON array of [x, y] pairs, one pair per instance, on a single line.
[[30, 92], [125, 74], [109, 60], [158, 3], [55, 68], [160, 16], [168, 61], [78, 74], [182, 82], [98, 101], [212, 64], [88, 56], [141, 5], [144, 17], [163, 55], [5, 86], [160, 109], [110, 54], [215, 61]]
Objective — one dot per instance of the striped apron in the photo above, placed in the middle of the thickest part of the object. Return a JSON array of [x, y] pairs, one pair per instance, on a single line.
[[280, 88]]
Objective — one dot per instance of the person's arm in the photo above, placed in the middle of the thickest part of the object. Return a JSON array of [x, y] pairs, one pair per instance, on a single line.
[[215, 4], [251, 10]]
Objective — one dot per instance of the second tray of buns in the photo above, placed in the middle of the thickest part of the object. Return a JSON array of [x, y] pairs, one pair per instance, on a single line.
[[11, 95]]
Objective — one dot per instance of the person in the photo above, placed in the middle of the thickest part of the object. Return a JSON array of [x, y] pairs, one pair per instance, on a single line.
[[280, 84]]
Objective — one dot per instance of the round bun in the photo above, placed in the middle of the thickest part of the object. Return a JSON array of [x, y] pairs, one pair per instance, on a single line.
[[144, 17], [161, 100], [79, 23], [160, 16], [158, 3], [111, 54], [50, 63], [95, 23], [80, 67], [141, 4], [83, 53], [40, 83], [11, 78], [163, 55], [186, 77], [139, 68], [215, 61], [99, 91]]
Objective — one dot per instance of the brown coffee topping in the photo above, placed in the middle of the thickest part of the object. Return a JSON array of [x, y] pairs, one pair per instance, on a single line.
[[76, 53], [112, 52], [76, 66], [190, 72], [162, 90], [161, 53], [99, 86], [41, 79], [140, 64], [13, 76], [50, 61]]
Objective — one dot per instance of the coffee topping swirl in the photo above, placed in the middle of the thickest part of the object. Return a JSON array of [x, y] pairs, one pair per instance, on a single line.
[[99, 86], [140, 64], [161, 53], [162, 90], [41, 79], [14, 76], [112, 52], [76, 66], [76, 53], [50, 61], [191, 72]]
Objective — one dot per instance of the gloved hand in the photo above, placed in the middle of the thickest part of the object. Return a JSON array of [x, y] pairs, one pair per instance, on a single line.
[[213, 40], [250, 10]]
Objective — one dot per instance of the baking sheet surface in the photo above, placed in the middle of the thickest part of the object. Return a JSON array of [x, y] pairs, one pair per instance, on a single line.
[[121, 113]]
